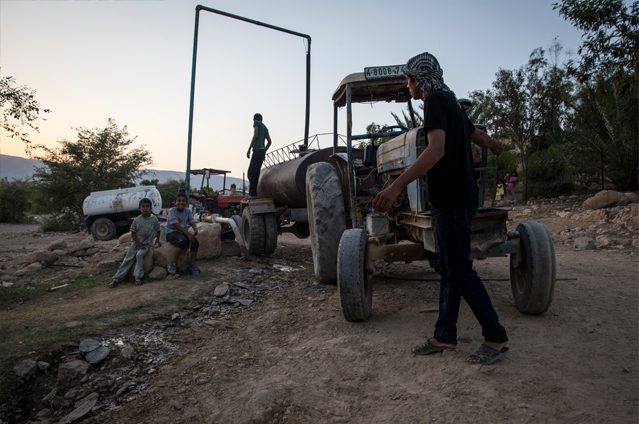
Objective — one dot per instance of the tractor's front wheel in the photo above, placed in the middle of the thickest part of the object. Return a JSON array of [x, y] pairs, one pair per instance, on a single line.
[[353, 281]]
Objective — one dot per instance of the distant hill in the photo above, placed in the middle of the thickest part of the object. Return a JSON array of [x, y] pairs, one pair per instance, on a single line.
[[17, 168]]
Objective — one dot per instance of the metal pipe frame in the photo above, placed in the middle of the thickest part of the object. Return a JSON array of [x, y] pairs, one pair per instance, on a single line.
[[199, 8]]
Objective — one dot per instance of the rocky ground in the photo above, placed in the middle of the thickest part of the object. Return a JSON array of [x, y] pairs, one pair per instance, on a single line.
[[261, 341]]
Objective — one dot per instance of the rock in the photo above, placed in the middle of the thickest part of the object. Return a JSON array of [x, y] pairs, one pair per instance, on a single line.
[[57, 245], [176, 404], [96, 356], [26, 368], [43, 256], [635, 243], [82, 407], [92, 251], [127, 351], [175, 317], [89, 345], [43, 414], [210, 240], [85, 244], [70, 373], [162, 255], [125, 238], [29, 269], [602, 241], [606, 199], [60, 252], [106, 263], [221, 290], [158, 273], [43, 366], [584, 243], [76, 393]]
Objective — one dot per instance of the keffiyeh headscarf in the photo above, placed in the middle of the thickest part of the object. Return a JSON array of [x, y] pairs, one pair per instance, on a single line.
[[427, 72]]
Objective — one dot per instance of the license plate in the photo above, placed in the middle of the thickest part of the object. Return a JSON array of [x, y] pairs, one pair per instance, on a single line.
[[376, 72]]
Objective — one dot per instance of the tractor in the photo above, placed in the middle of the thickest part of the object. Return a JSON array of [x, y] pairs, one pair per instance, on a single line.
[[348, 236]]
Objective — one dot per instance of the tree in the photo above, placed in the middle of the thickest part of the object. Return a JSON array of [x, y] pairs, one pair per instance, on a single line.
[[605, 123], [610, 36], [100, 159], [19, 109], [527, 106]]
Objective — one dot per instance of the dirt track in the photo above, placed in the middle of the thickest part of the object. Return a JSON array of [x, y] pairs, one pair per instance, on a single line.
[[291, 357]]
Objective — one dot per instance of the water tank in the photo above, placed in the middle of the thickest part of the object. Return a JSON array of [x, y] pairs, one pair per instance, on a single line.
[[121, 200]]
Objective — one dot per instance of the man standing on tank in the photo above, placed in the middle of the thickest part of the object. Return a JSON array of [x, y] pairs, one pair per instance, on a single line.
[[447, 161], [260, 135]]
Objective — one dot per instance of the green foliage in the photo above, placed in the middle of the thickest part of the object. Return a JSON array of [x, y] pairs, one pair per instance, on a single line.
[[100, 159], [19, 109], [169, 191], [610, 40], [14, 200], [548, 174], [528, 106], [61, 222]]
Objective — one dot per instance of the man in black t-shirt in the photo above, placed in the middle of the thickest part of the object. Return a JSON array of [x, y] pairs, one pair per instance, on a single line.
[[448, 162]]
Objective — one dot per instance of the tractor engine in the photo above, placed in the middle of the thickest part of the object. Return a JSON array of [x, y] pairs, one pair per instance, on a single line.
[[393, 157]]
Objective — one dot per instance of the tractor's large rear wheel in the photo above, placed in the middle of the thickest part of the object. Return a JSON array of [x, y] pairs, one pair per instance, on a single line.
[[533, 269], [326, 218], [353, 281]]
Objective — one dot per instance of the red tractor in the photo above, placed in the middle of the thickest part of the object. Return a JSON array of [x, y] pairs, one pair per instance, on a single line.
[[226, 202]]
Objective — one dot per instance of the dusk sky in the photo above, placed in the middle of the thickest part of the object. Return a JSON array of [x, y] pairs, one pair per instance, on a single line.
[[130, 60]]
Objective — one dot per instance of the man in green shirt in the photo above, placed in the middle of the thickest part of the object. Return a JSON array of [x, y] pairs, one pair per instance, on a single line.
[[260, 134]]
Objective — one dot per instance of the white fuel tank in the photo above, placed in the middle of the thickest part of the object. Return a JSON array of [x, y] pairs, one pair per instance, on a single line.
[[121, 200]]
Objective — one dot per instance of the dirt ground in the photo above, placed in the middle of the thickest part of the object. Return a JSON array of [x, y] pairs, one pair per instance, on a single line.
[[289, 356]]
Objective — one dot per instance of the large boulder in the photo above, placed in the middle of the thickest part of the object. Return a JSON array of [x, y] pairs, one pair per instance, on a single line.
[[209, 239], [71, 373], [162, 256], [606, 199], [125, 238]]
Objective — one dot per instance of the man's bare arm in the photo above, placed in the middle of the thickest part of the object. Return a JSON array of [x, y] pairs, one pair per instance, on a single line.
[[482, 139], [253, 141]]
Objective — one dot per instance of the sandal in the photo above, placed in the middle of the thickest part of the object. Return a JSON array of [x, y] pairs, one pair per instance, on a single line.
[[487, 355], [428, 348]]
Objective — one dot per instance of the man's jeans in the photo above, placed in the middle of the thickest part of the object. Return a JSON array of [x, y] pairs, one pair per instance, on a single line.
[[254, 170], [459, 279], [132, 255]]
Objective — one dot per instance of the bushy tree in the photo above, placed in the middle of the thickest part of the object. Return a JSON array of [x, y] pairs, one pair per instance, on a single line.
[[15, 200], [528, 106], [605, 122], [100, 159], [168, 190], [19, 109]]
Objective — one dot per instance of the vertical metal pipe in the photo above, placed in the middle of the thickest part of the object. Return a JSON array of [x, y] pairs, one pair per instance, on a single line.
[[187, 177], [349, 153], [334, 128], [308, 92]]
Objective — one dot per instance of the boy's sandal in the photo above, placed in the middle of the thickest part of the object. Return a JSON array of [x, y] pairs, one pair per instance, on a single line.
[[138, 282], [113, 283], [428, 348], [486, 355]]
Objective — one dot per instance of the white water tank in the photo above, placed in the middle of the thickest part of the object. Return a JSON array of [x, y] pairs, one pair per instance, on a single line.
[[121, 200]]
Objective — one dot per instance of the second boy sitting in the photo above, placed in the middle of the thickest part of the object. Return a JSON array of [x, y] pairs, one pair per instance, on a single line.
[[177, 233]]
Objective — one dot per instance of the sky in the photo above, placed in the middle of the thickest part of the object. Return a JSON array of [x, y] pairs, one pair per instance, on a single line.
[[130, 60]]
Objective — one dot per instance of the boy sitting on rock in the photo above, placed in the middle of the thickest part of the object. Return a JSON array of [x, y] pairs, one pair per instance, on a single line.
[[144, 229], [177, 233]]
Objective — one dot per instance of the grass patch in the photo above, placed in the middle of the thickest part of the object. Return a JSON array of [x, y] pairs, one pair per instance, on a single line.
[[22, 293]]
